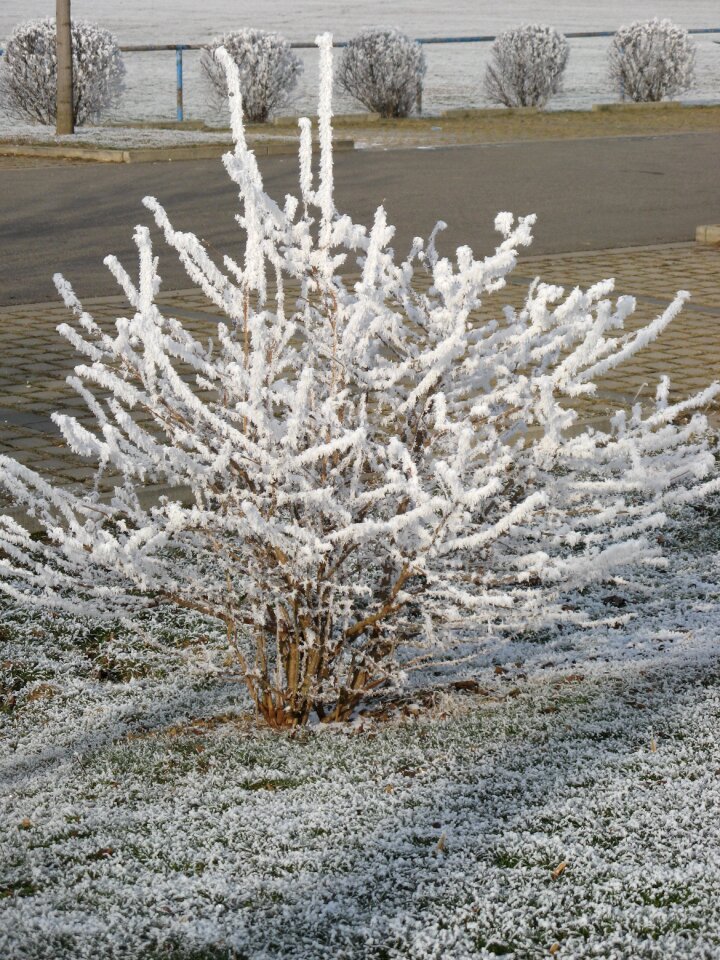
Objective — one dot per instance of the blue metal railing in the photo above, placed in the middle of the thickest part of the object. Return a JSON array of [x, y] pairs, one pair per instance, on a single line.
[[343, 43], [481, 38], [179, 73]]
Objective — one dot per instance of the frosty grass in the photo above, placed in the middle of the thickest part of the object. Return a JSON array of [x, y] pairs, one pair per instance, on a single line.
[[562, 803], [143, 816], [114, 137]]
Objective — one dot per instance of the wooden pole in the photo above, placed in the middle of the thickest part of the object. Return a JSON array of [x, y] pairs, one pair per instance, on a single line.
[[65, 120]]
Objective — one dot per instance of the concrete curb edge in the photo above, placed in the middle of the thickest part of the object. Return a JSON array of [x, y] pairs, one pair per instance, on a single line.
[[200, 151]]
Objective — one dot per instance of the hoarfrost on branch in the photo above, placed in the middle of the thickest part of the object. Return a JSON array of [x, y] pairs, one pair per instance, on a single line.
[[381, 469], [268, 67], [652, 60], [28, 71], [526, 66], [384, 70]]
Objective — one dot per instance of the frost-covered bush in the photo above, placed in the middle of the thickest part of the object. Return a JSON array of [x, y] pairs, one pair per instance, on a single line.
[[651, 60], [28, 71], [384, 70], [526, 66], [268, 68], [379, 474]]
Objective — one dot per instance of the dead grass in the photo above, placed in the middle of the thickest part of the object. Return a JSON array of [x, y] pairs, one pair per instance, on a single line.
[[500, 125]]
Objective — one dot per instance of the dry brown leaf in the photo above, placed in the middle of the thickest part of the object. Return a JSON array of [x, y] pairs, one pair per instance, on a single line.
[[102, 854], [25, 823], [554, 948], [559, 869], [42, 692], [572, 678], [389, 788], [441, 843]]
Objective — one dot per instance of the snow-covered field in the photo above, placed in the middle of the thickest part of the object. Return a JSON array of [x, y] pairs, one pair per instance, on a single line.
[[567, 805], [455, 71]]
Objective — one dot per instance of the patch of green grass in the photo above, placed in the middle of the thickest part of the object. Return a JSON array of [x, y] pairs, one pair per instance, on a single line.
[[175, 950], [496, 947], [538, 637], [505, 860], [281, 783], [18, 888], [98, 643], [664, 897], [189, 868], [14, 677], [48, 842], [604, 841]]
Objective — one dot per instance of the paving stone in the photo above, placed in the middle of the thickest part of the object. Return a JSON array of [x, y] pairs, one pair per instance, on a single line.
[[79, 473], [28, 443], [36, 360], [53, 465]]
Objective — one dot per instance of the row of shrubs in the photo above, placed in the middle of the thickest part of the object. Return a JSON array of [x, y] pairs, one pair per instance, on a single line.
[[381, 68]]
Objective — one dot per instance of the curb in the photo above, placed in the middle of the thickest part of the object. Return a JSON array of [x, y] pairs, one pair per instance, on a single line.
[[632, 107], [202, 151], [60, 153], [709, 233]]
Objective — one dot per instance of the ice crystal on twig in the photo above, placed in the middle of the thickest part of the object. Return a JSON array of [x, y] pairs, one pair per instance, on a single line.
[[28, 71], [652, 60], [361, 463], [384, 70], [526, 66], [268, 66]]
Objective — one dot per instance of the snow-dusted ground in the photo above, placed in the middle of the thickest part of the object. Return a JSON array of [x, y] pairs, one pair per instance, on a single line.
[[455, 71], [133, 826], [116, 137]]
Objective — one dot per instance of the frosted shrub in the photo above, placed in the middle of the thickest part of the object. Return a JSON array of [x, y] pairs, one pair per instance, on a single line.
[[378, 473], [384, 70], [652, 60], [267, 65], [526, 66], [28, 71]]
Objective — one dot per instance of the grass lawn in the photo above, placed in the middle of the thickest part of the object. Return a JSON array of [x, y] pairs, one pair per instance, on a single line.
[[567, 805]]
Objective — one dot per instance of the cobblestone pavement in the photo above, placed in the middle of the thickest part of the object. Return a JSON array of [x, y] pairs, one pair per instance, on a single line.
[[689, 349], [34, 360]]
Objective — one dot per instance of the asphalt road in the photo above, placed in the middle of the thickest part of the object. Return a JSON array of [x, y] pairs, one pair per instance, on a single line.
[[588, 194]]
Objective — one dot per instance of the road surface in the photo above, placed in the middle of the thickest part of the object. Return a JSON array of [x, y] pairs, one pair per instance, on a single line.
[[588, 194]]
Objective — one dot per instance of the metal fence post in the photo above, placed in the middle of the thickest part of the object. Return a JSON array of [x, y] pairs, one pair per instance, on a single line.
[[179, 64]]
